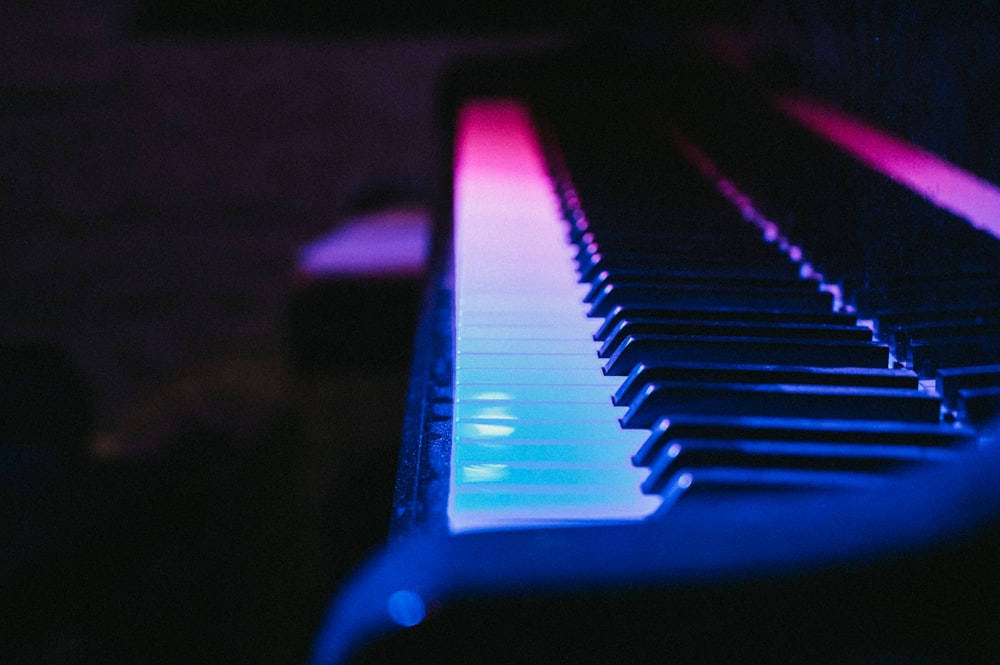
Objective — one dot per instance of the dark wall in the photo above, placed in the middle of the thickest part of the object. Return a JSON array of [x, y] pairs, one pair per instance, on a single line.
[[928, 71], [923, 69]]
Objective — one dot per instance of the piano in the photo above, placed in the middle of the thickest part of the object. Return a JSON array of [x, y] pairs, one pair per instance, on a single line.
[[701, 377]]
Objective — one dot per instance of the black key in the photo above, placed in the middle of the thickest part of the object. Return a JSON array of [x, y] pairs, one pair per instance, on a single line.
[[737, 239], [643, 374], [666, 399], [732, 314], [900, 338], [685, 215], [687, 222], [592, 266], [930, 355], [891, 319], [661, 349], [964, 290], [682, 256], [752, 489], [631, 327], [979, 406], [692, 454], [696, 210], [717, 278], [635, 295], [950, 380], [870, 432]]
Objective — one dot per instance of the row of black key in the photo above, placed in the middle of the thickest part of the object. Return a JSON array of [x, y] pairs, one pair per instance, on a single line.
[[714, 329], [928, 280]]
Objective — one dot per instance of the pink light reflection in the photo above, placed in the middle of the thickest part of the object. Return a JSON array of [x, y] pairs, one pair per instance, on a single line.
[[936, 179]]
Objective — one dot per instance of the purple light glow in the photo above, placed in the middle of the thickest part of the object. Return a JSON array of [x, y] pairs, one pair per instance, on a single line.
[[389, 243], [940, 182]]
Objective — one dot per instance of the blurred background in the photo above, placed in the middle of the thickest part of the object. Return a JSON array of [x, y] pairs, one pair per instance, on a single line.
[[198, 434]]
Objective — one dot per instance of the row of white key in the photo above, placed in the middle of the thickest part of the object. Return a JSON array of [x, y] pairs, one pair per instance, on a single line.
[[536, 439]]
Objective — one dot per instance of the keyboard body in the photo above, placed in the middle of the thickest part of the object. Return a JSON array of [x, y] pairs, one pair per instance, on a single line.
[[819, 303]]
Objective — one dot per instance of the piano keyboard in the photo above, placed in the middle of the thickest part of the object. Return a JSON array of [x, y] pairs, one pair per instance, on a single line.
[[693, 382], [581, 348], [535, 439]]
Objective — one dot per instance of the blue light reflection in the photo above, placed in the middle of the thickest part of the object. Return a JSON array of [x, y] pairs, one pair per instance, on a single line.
[[407, 608]]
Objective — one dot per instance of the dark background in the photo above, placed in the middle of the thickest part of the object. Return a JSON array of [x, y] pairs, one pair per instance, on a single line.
[[179, 486]]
